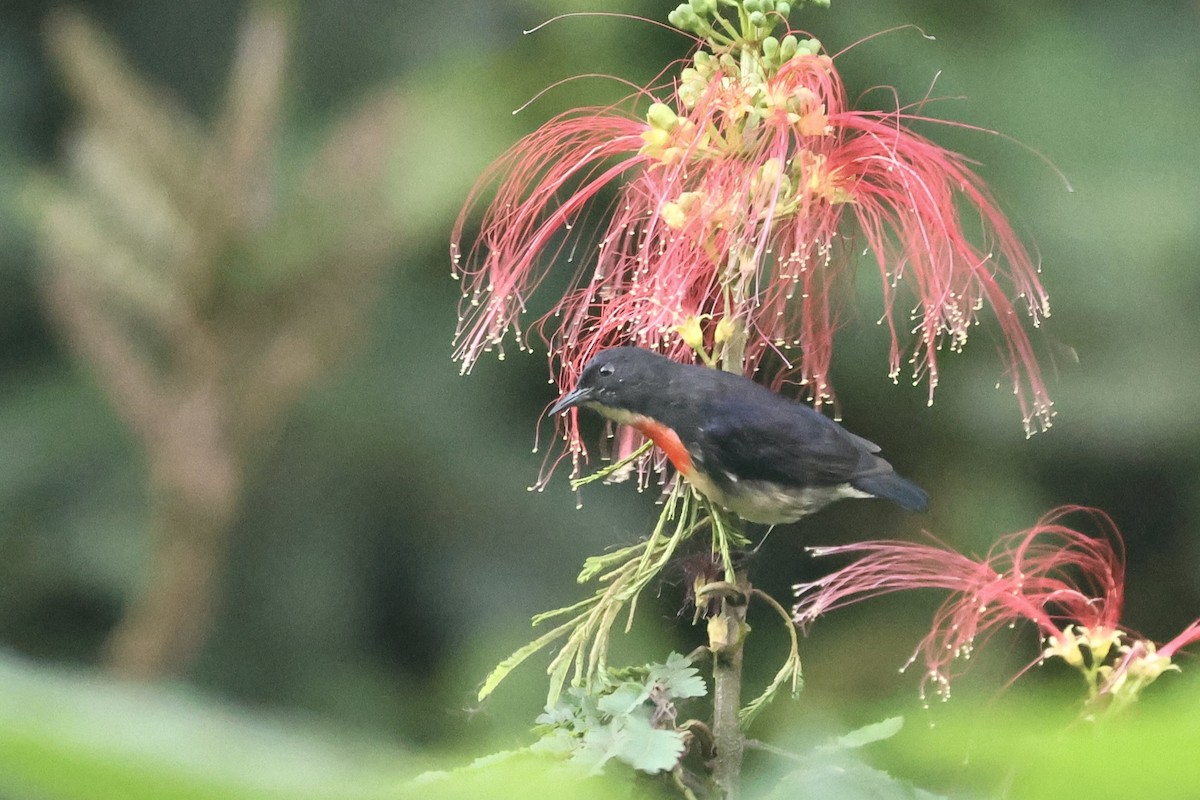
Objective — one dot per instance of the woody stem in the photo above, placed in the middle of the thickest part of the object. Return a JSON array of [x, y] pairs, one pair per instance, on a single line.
[[726, 634], [728, 739]]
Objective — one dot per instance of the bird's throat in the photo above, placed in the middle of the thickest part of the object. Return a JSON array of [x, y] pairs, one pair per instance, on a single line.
[[664, 437]]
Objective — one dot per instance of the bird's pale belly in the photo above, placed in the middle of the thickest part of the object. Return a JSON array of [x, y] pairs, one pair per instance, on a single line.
[[771, 503]]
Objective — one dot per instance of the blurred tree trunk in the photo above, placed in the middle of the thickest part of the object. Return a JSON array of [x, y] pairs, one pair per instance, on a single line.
[[166, 625], [203, 296], [196, 483]]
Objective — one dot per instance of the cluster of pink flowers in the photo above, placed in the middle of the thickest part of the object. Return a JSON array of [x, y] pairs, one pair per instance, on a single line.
[[738, 197], [1069, 584], [722, 213]]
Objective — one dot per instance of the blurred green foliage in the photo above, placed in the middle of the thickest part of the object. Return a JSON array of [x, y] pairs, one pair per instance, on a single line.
[[64, 733], [388, 554]]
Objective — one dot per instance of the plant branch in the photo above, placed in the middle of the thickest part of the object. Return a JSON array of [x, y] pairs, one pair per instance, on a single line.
[[727, 632]]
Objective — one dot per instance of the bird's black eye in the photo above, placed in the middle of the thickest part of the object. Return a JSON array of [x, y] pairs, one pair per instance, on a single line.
[[606, 369]]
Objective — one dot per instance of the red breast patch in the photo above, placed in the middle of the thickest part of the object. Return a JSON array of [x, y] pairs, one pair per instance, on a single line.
[[668, 441]]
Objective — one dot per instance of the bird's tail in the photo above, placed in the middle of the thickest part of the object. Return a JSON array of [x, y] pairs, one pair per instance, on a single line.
[[890, 486]]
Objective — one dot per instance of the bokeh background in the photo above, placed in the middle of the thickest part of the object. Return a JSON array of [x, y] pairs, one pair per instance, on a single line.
[[257, 239]]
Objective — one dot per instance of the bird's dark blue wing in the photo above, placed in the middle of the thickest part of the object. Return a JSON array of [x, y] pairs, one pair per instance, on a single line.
[[782, 442]]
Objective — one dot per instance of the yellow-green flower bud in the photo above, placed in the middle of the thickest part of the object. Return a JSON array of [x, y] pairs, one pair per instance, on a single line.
[[676, 212], [770, 48], [673, 215], [655, 143], [692, 333], [1066, 648], [1102, 641], [724, 331], [662, 117], [787, 48], [1149, 665], [809, 47], [684, 18]]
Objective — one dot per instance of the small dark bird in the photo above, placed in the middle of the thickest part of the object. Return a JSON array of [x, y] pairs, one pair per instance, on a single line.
[[758, 454]]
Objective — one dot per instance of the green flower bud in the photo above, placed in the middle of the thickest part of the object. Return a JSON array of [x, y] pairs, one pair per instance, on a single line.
[[758, 19], [662, 117], [725, 330], [692, 333], [783, 9], [704, 8], [755, 6], [684, 18], [770, 48], [809, 47], [787, 48]]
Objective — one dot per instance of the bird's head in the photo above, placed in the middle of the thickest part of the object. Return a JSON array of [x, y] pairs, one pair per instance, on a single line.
[[618, 382]]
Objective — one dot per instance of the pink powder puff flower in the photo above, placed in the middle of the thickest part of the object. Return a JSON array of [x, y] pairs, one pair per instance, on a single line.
[[1139, 662], [736, 198], [1071, 585]]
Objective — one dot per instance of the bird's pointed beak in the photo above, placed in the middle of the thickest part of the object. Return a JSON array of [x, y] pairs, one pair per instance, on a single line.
[[571, 399]]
